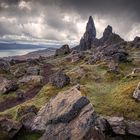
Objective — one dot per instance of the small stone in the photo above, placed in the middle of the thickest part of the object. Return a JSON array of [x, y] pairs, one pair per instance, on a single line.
[[136, 94]]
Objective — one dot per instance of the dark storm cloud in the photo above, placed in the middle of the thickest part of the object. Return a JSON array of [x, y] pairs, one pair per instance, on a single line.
[[58, 19]]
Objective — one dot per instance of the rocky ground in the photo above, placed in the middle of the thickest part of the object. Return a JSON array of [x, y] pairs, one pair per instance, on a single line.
[[88, 92]]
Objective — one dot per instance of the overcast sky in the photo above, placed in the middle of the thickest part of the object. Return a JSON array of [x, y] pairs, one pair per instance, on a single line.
[[55, 21]]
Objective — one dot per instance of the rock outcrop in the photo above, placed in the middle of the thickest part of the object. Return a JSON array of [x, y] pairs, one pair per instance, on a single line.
[[89, 36], [7, 85], [67, 116], [109, 38], [8, 128], [33, 70], [63, 50], [75, 56], [109, 53], [19, 72], [31, 78], [136, 40], [118, 126], [89, 39], [136, 94], [4, 65], [26, 114], [133, 127], [60, 79], [32, 62]]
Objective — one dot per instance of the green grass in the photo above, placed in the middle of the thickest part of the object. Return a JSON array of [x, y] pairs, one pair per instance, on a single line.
[[39, 100], [97, 92], [24, 135], [114, 99], [110, 93]]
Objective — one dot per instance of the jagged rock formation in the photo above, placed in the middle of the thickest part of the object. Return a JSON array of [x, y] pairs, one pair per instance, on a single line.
[[69, 116], [88, 37], [109, 37], [63, 50], [111, 53]]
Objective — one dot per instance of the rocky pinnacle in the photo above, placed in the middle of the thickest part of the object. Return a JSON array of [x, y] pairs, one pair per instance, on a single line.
[[89, 35]]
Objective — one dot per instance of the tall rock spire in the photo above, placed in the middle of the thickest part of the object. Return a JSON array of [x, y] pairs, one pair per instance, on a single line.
[[109, 37], [90, 28], [89, 35]]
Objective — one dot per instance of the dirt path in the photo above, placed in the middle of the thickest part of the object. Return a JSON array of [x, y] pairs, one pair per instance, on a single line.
[[14, 101]]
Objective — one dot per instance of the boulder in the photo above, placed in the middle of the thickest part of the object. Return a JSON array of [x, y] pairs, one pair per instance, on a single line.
[[60, 80], [133, 127], [32, 62], [4, 65], [117, 124], [7, 85], [63, 50], [26, 114], [33, 70], [120, 57], [31, 78], [8, 128], [136, 94], [67, 116], [103, 125]]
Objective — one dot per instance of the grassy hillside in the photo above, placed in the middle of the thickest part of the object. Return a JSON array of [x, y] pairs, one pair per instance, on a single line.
[[110, 93]]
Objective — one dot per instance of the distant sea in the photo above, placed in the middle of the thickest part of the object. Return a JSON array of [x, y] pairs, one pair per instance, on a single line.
[[15, 52]]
